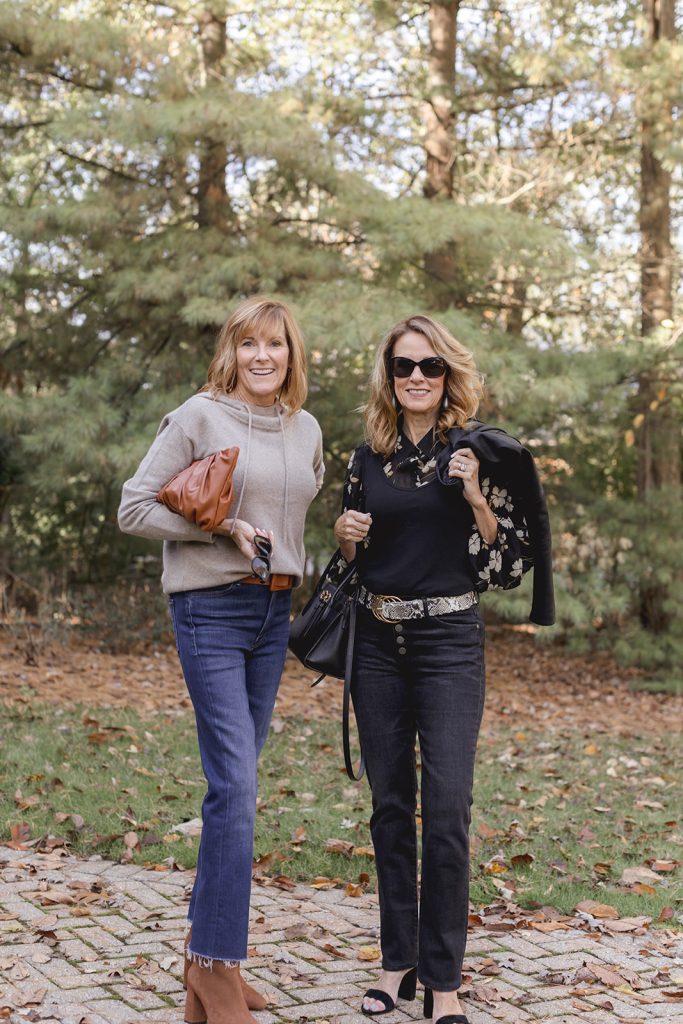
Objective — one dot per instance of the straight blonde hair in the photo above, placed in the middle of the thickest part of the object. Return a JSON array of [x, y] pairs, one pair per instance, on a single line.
[[252, 315], [463, 386]]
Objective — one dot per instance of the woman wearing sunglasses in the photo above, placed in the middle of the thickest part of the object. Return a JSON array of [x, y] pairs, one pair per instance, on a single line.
[[422, 552], [230, 595]]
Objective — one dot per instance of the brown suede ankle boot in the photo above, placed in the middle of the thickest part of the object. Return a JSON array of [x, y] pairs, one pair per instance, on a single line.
[[215, 994], [253, 999]]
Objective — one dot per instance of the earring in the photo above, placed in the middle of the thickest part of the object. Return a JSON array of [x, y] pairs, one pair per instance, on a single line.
[[444, 404]]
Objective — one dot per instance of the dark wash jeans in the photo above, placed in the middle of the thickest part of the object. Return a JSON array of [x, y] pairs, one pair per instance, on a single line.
[[232, 642], [424, 678]]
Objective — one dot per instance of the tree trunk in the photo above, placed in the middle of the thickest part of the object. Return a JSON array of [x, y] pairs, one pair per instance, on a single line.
[[439, 120], [659, 449], [213, 205]]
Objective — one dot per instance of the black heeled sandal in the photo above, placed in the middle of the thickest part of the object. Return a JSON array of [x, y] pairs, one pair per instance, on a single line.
[[406, 990], [449, 1018]]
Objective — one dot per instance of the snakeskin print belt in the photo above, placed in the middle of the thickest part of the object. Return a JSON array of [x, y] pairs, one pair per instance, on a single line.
[[388, 608]]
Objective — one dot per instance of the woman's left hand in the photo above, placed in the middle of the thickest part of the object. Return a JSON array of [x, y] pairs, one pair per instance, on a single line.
[[464, 463]]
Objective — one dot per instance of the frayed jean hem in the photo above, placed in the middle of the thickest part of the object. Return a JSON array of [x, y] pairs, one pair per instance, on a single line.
[[209, 961]]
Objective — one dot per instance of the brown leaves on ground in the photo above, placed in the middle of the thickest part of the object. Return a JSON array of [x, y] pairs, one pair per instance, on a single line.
[[590, 916], [559, 690], [77, 895]]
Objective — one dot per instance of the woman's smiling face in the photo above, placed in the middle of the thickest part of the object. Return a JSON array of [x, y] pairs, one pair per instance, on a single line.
[[417, 393], [262, 362]]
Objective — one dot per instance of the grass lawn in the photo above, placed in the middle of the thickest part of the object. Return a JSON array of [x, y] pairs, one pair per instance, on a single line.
[[556, 817]]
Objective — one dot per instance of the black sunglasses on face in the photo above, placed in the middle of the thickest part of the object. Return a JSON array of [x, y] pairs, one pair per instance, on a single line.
[[401, 366], [260, 565]]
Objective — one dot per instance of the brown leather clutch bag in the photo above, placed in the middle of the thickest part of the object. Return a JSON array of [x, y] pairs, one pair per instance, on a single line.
[[203, 492]]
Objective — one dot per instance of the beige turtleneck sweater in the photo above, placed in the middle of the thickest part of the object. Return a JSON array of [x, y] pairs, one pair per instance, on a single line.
[[279, 471]]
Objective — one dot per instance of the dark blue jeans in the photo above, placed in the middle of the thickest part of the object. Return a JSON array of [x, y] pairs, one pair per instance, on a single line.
[[421, 678], [232, 642]]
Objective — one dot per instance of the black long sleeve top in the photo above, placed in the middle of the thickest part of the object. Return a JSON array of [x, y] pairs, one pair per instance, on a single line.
[[424, 541]]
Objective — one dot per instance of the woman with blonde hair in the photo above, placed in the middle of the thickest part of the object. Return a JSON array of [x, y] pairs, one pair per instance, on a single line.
[[229, 595], [437, 507]]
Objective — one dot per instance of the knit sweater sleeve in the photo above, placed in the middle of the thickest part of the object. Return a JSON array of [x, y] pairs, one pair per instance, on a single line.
[[139, 512]]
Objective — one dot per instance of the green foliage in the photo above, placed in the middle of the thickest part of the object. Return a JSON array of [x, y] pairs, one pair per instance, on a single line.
[[114, 286]]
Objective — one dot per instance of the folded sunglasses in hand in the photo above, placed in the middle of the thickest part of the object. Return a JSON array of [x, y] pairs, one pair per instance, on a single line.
[[260, 565]]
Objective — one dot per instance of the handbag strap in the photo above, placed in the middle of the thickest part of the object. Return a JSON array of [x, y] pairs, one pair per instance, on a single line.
[[348, 669], [346, 576]]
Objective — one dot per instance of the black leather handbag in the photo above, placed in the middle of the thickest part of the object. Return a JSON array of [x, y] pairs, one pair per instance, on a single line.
[[322, 635]]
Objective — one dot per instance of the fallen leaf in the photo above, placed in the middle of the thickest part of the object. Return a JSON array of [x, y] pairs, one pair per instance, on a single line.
[[339, 846], [283, 882], [630, 876], [20, 832], [30, 997], [485, 994], [597, 909], [56, 897], [333, 951], [190, 828], [495, 866], [608, 976], [664, 865], [628, 924], [489, 967], [321, 882], [586, 834], [46, 923], [353, 890]]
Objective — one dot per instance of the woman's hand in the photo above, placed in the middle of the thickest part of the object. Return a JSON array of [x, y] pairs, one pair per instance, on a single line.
[[243, 535], [350, 528], [464, 463]]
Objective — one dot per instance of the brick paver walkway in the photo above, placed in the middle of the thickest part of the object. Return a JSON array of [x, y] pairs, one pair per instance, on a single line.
[[93, 942]]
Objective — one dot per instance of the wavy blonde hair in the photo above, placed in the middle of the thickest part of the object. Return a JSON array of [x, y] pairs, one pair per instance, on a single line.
[[266, 314], [463, 386]]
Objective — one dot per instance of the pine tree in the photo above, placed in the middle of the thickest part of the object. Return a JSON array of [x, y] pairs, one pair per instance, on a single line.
[[162, 162]]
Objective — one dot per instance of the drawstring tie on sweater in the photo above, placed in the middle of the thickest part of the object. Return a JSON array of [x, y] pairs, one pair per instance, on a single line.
[[247, 457]]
